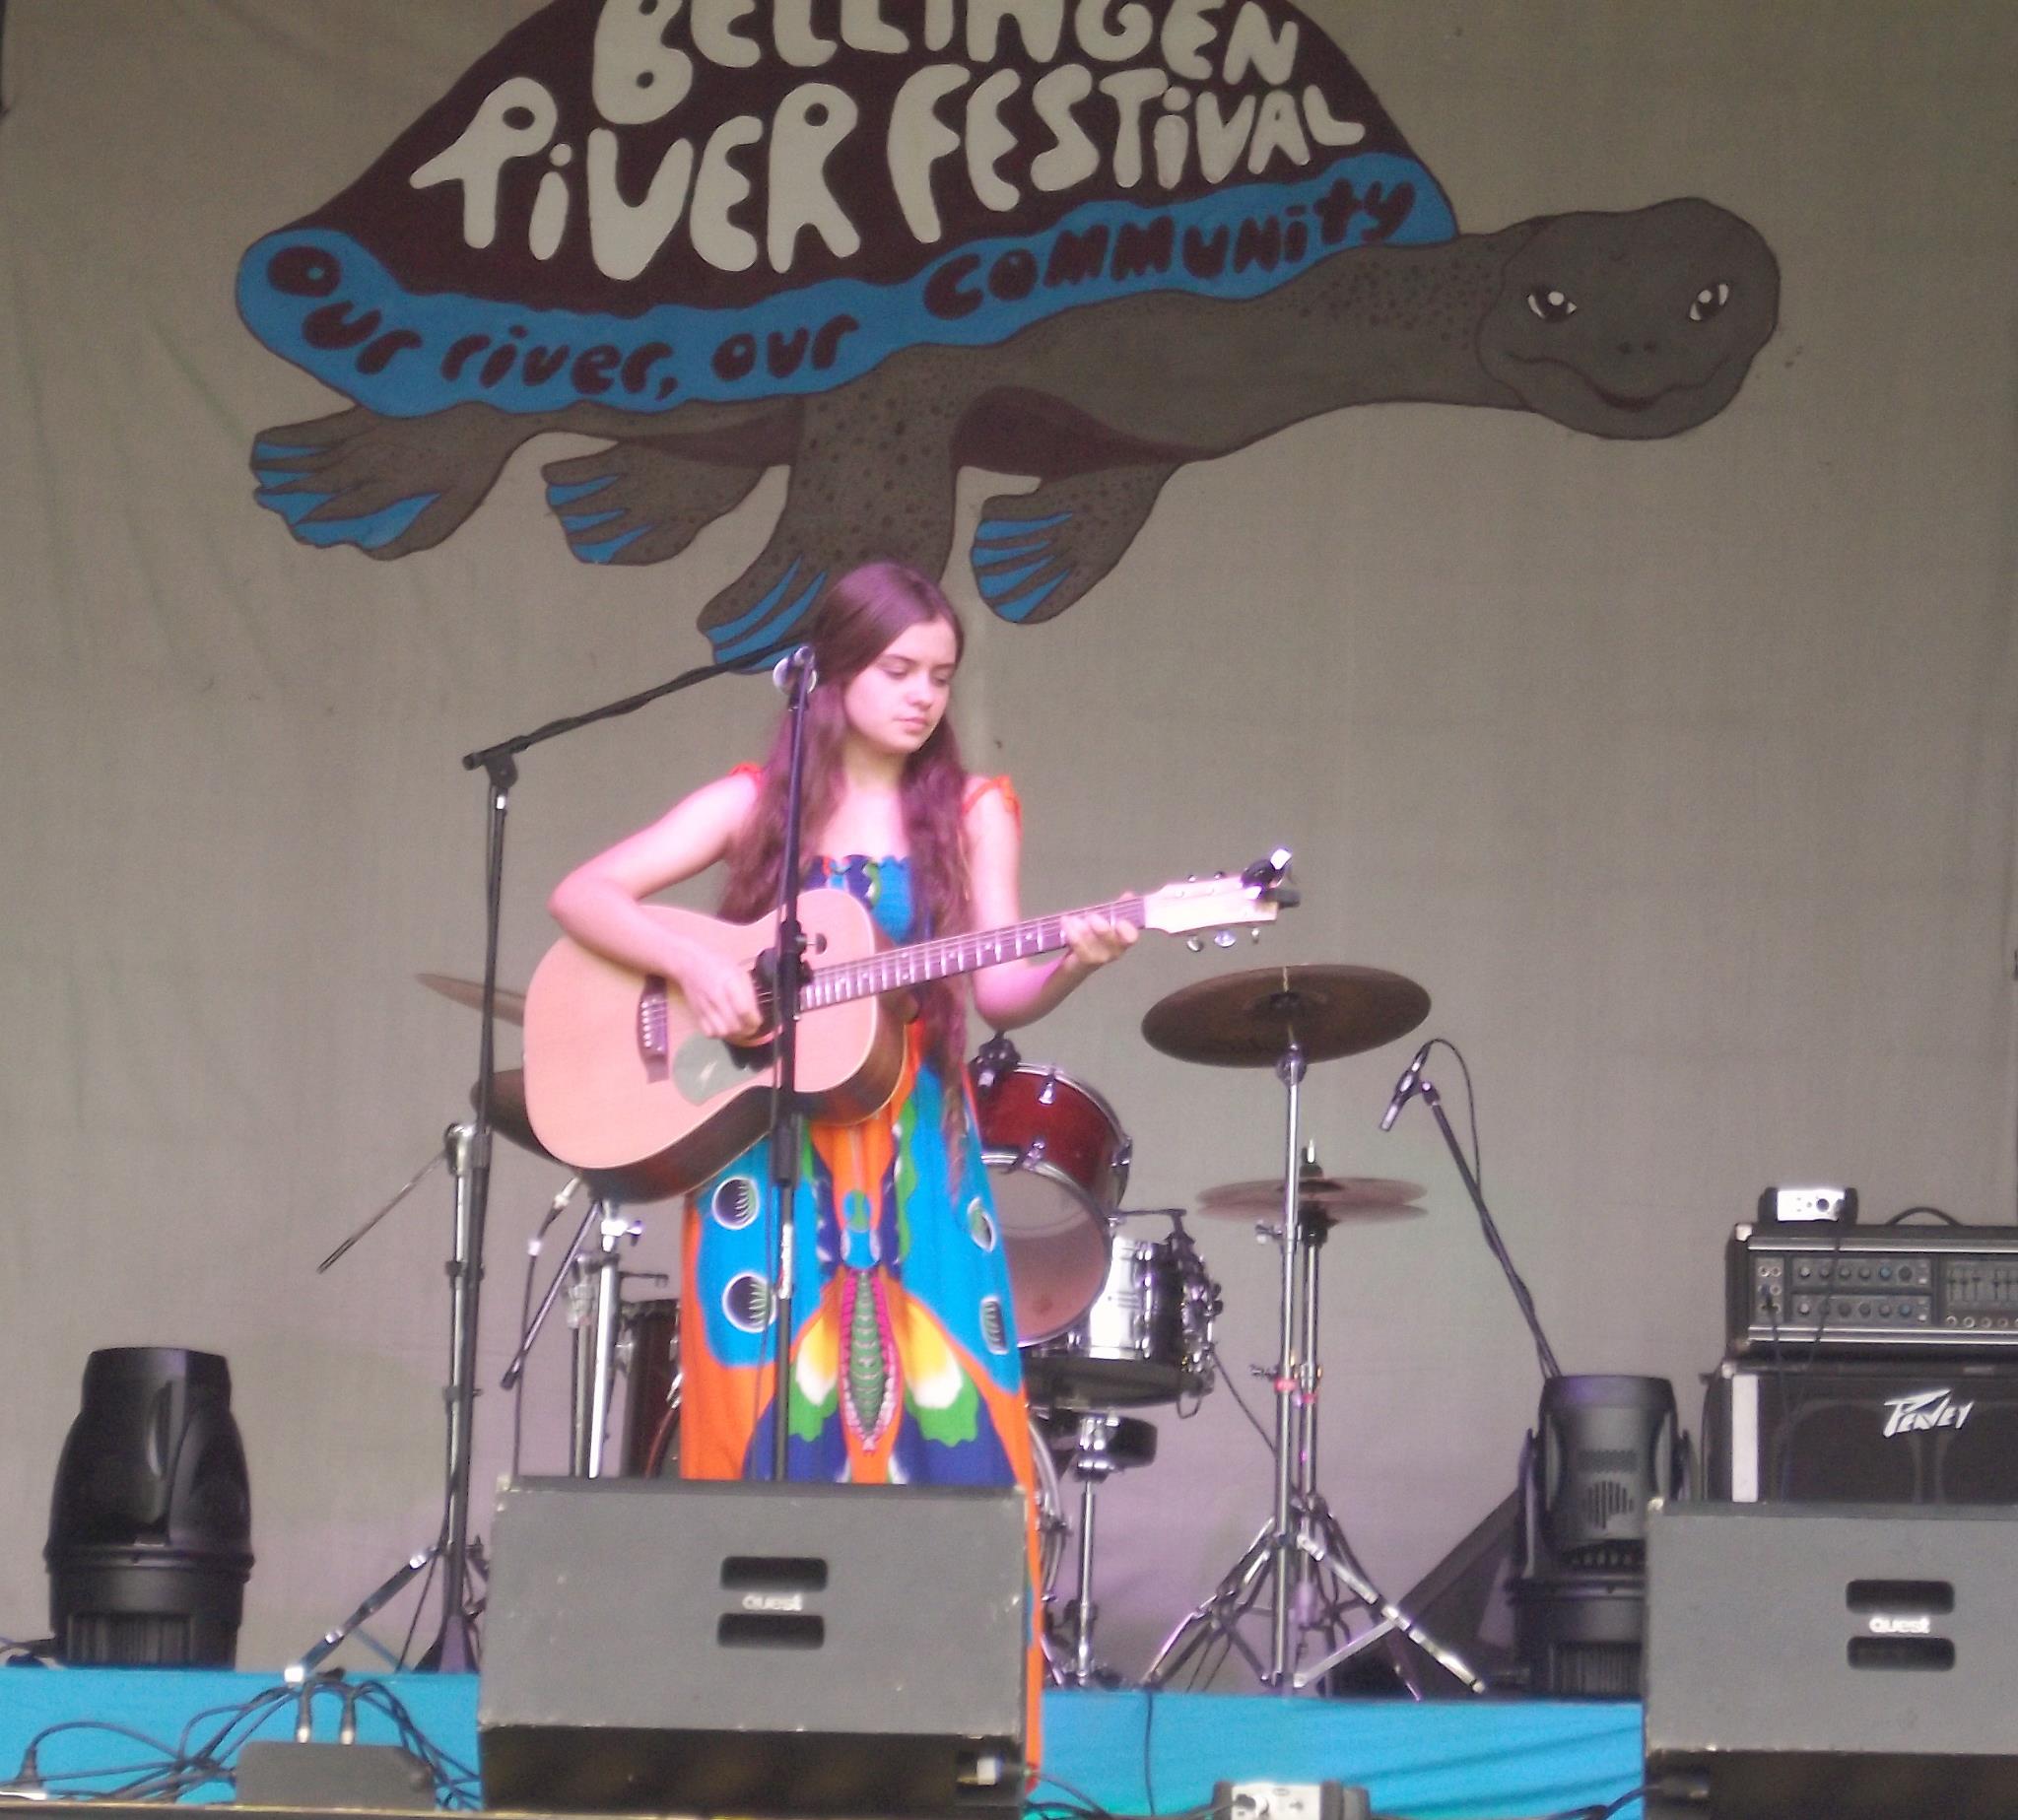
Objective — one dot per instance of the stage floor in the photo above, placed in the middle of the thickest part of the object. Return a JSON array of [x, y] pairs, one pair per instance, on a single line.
[[1129, 1753]]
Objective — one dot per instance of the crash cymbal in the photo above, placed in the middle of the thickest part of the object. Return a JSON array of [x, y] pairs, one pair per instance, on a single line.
[[1247, 1020], [470, 992], [1348, 1197], [511, 1120]]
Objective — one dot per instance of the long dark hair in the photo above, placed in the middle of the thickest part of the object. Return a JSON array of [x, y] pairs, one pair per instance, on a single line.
[[857, 620]]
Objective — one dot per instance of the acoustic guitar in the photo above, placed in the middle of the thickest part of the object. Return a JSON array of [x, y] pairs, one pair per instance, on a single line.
[[618, 1075]]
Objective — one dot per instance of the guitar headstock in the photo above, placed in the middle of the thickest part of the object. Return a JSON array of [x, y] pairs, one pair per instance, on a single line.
[[1222, 901]]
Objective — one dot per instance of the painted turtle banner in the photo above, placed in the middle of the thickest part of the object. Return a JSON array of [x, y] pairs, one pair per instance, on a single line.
[[1086, 240]]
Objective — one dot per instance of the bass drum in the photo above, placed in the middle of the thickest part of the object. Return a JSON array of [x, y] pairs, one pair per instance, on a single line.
[[1059, 1162]]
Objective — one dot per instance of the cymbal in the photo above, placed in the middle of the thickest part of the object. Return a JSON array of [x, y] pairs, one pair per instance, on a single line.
[[1351, 1197], [1247, 1020], [511, 1120], [470, 992]]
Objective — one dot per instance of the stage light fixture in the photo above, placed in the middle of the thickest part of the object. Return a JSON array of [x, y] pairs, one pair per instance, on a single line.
[[1603, 1448], [150, 1526]]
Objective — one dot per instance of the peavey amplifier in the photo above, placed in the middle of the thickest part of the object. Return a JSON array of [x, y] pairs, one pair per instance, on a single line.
[[1860, 1291], [1902, 1432]]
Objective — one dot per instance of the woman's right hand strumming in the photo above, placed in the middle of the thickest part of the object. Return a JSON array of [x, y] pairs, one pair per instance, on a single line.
[[721, 993]]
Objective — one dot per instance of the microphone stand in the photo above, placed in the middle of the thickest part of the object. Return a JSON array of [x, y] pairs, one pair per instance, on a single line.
[[454, 1648], [1420, 1087], [789, 970]]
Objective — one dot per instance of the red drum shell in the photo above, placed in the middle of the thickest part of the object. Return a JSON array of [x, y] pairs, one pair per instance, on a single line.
[[1059, 1160]]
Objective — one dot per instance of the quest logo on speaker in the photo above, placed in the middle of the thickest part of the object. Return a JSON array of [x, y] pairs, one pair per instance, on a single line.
[[1923, 1410], [1084, 242], [1882, 1626]]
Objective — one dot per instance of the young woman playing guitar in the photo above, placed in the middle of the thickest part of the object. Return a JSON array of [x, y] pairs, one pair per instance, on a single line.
[[904, 1360]]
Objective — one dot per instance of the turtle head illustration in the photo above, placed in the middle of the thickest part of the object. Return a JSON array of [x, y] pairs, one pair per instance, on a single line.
[[1633, 326]]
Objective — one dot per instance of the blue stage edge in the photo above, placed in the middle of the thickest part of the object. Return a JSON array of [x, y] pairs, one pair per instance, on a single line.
[[1130, 1753]]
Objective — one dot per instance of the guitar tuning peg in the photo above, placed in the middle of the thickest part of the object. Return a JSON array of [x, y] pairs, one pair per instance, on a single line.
[[1254, 935], [1196, 943], [1225, 938]]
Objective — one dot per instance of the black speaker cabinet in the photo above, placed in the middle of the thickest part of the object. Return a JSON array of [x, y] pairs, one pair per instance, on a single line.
[[1817, 1663], [675, 1647], [1875, 1432]]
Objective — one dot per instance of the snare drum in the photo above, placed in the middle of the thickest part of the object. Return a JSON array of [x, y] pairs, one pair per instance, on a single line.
[[1147, 1339], [1060, 1163]]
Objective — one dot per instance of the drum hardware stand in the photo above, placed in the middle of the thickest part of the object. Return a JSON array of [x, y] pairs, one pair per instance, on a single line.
[[1301, 1539], [598, 1358], [1092, 1463]]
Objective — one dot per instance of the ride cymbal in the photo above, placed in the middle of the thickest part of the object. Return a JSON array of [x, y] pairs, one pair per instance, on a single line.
[[1247, 1020], [470, 992]]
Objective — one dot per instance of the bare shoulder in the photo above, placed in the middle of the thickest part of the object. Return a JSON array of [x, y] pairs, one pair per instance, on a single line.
[[990, 814]]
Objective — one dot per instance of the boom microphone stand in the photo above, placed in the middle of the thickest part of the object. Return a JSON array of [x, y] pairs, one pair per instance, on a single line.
[[1413, 1085], [455, 1645]]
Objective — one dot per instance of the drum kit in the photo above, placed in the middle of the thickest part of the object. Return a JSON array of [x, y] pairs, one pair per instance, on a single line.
[[1115, 1310]]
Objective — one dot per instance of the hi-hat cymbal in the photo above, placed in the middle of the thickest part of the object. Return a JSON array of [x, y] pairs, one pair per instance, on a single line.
[[1349, 1197], [470, 992], [1247, 1020]]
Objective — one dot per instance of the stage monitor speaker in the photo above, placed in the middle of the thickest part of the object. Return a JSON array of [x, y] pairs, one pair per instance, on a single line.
[[1812, 1664], [695, 1648], [1928, 1432]]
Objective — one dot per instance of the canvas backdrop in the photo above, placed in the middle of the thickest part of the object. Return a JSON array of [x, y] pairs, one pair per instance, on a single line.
[[1680, 772]]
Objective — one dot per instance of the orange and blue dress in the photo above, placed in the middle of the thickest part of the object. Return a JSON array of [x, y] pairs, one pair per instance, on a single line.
[[904, 1360]]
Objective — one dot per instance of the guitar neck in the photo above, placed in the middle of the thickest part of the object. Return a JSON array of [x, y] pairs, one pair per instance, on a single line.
[[920, 963]]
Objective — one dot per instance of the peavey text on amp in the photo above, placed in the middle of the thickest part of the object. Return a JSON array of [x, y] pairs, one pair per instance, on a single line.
[[1930, 1431]]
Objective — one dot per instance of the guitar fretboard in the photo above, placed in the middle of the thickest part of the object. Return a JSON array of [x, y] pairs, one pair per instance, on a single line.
[[920, 963]]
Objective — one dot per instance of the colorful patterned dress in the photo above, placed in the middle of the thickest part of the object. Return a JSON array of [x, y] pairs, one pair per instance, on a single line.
[[904, 1367]]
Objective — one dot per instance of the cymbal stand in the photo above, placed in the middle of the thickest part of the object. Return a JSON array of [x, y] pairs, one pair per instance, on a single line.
[[1302, 1546], [453, 1547]]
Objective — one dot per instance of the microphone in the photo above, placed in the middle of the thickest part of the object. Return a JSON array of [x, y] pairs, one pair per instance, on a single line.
[[1406, 1086], [788, 668], [554, 1208]]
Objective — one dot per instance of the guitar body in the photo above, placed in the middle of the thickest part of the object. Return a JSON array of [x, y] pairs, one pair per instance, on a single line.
[[618, 1075]]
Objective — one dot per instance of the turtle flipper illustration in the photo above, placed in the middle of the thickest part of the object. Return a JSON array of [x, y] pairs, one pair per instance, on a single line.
[[867, 484], [391, 486], [1036, 554], [643, 501]]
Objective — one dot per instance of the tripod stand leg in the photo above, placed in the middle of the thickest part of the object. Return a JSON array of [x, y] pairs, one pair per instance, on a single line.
[[373, 1602], [1324, 1542], [1220, 1615]]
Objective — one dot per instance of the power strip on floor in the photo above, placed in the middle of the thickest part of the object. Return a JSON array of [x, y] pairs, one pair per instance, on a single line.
[[1259, 1800]]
